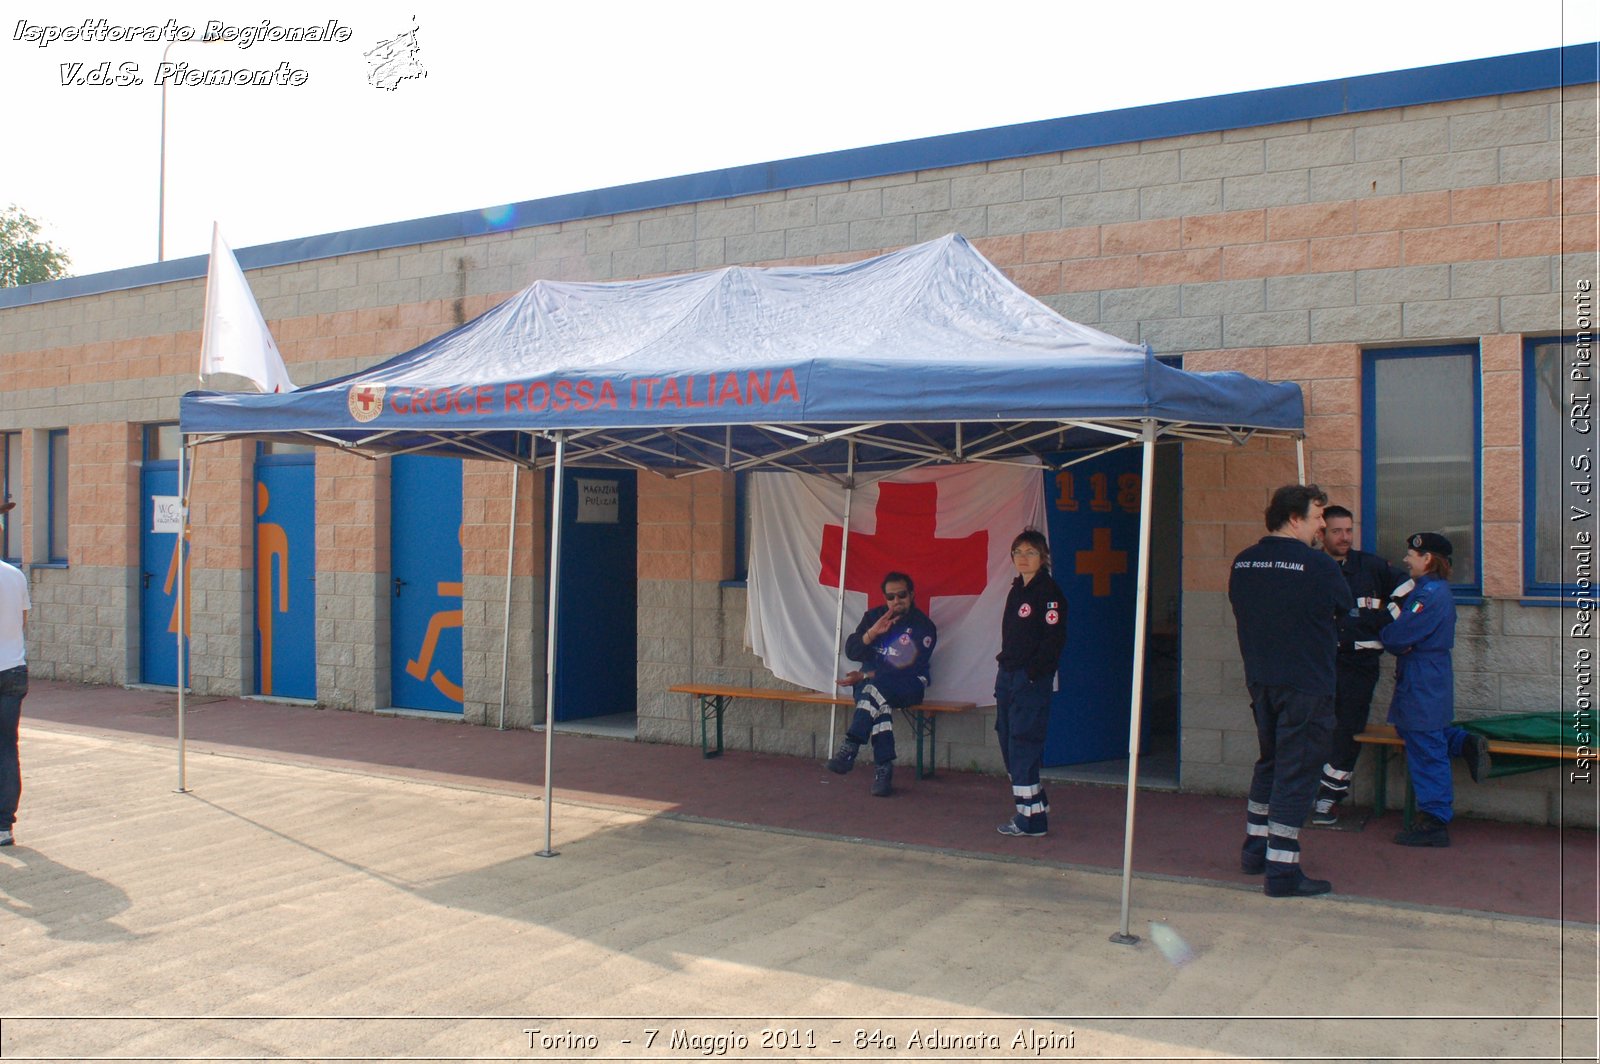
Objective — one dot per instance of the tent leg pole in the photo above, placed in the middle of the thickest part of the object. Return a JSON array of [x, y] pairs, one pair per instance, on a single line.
[[511, 558], [844, 556], [1300, 458], [550, 640], [1141, 614], [183, 614]]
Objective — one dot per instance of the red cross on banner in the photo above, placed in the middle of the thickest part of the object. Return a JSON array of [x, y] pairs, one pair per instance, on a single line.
[[950, 528], [906, 540]]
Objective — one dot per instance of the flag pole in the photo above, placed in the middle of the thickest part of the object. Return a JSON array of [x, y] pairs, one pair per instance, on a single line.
[[844, 555]]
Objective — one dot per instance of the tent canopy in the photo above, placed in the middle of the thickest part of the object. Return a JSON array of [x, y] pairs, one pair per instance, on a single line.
[[929, 354], [921, 356]]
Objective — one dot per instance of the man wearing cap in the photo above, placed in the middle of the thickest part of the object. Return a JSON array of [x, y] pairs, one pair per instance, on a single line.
[[1420, 637], [1372, 580], [1286, 597], [14, 607]]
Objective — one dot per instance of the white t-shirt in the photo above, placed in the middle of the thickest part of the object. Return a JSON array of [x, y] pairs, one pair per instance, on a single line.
[[13, 601]]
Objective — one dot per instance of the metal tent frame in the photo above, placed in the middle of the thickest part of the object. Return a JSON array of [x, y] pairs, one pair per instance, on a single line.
[[846, 453]]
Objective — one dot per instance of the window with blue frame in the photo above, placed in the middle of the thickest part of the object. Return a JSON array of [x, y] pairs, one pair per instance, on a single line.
[[11, 484], [1421, 447], [1554, 452], [56, 526]]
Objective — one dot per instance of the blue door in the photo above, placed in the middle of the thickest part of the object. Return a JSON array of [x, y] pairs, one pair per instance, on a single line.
[[159, 522], [285, 575], [425, 583], [597, 628], [1094, 555]]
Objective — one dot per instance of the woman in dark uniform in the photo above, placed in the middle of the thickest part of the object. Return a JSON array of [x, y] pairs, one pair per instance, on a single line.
[[1032, 635]]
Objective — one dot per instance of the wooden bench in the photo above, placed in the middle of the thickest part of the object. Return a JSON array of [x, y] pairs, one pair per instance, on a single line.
[[714, 699], [1383, 737]]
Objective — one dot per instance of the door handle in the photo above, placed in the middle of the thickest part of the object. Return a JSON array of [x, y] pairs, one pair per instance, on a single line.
[[398, 584], [147, 577]]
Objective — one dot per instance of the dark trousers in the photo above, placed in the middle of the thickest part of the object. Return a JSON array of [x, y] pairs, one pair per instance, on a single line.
[[873, 721], [1293, 729], [1358, 678], [13, 686], [1022, 714]]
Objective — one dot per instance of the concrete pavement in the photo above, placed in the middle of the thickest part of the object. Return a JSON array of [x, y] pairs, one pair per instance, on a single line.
[[297, 907]]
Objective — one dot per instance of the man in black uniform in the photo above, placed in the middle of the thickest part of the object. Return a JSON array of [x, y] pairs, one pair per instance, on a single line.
[[1287, 597], [895, 642], [1372, 580]]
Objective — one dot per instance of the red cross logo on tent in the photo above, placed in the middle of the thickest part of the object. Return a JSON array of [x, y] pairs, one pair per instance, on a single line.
[[365, 401], [906, 540]]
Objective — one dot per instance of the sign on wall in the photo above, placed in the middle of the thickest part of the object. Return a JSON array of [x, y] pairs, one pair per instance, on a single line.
[[167, 513], [599, 502]]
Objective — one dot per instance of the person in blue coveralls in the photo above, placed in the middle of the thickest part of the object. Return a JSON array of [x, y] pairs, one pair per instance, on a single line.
[[1420, 637], [895, 642], [1287, 597], [1033, 631]]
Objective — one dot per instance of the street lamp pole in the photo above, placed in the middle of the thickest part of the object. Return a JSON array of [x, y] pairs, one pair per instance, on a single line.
[[161, 207]]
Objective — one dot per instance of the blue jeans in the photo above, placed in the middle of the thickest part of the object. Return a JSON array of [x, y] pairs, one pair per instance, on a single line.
[[13, 686]]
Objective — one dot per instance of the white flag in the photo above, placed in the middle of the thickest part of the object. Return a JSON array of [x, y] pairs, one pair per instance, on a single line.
[[236, 339], [950, 529]]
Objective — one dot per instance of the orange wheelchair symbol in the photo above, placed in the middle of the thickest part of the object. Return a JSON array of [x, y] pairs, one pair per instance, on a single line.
[[417, 668]]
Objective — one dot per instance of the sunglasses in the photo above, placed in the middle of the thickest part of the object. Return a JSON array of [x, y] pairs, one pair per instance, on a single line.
[[894, 595]]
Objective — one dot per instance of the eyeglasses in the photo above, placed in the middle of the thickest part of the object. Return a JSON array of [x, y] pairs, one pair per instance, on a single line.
[[1025, 554], [893, 595]]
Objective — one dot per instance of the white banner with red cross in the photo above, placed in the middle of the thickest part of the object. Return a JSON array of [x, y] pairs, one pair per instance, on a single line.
[[950, 529]]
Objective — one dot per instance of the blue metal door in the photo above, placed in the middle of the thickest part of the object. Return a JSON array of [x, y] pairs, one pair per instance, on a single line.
[[597, 627], [425, 583], [1094, 553], [159, 522], [285, 576]]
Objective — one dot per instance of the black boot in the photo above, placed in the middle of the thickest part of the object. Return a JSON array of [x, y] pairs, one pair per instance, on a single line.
[[1475, 750], [845, 759], [883, 780], [1296, 884], [1427, 830]]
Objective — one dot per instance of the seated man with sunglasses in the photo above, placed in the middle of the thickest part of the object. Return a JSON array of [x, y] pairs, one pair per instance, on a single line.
[[895, 642]]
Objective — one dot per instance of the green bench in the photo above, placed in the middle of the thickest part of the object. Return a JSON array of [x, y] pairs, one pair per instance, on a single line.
[[1518, 742]]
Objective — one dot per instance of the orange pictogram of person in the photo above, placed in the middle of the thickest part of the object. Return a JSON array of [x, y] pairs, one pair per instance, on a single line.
[[417, 668], [272, 542]]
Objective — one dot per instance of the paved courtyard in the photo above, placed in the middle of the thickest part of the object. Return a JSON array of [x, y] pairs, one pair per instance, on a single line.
[[285, 910]]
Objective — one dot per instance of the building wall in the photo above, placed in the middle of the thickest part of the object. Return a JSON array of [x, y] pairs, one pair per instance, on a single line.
[[1283, 250]]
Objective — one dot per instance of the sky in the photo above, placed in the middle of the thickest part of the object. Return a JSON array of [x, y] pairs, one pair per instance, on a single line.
[[538, 99]]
